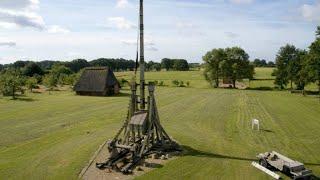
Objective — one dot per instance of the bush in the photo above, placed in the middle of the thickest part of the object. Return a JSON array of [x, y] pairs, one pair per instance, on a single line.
[[181, 84], [188, 84], [175, 83], [161, 83], [31, 83]]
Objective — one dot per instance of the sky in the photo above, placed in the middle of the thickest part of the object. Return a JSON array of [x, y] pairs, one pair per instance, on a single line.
[[68, 29]]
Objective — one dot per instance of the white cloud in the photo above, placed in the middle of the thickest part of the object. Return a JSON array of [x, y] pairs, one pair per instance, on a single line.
[[6, 25], [9, 44], [20, 13], [22, 19], [311, 12], [122, 3], [148, 42], [231, 35], [133, 42], [19, 4], [242, 1], [121, 23], [55, 29]]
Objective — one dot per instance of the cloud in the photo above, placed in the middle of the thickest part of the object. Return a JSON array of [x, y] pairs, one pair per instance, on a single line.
[[152, 48], [132, 42], [122, 3], [231, 35], [9, 44], [19, 4], [148, 43], [6, 25], [55, 29], [241, 1], [22, 19], [121, 23], [311, 12]]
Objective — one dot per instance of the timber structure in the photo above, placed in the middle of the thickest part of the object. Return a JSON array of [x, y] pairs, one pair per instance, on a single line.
[[142, 133]]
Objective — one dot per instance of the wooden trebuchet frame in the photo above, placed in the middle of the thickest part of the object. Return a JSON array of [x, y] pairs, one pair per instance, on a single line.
[[141, 133]]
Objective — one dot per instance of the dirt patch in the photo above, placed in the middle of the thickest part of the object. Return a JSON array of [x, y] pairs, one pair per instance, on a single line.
[[90, 172]]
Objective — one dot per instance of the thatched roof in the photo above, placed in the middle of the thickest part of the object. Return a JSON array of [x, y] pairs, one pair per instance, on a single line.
[[96, 79]]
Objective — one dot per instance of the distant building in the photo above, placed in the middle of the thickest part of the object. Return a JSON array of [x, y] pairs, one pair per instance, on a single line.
[[97, 81]]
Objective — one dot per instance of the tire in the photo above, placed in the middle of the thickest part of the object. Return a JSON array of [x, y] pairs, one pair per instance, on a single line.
[[263, 163]]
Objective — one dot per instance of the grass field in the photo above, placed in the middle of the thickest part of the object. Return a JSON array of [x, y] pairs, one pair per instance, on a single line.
[[53, 136]]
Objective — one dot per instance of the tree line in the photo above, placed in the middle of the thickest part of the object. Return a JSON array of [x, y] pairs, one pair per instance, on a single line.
[[229, 64], [298, 67], [20, 74], [262, 63]]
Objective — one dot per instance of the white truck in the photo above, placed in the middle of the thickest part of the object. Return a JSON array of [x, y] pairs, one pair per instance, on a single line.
[[284, 164]]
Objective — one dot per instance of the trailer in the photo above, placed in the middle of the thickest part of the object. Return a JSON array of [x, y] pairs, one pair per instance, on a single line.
[[284, 164]]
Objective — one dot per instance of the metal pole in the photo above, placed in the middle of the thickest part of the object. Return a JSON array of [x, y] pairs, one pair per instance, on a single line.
[[142, 65]]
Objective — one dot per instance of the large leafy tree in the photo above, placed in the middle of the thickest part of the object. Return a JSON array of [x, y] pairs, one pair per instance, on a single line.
[[313, 61], [230, 63], [11, 81], [167, 64], [212, 61], [180, 65], [32, 69], [77, 64], [238, 65], [284, 61]]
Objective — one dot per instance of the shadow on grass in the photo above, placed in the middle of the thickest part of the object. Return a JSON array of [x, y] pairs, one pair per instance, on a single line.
[[312, 164], [189, 151], [123, 95], [25, 99], [267, 130]]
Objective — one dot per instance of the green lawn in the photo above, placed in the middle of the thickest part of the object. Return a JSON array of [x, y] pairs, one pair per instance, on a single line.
[[53, 136], [195, 78], [264, 73]]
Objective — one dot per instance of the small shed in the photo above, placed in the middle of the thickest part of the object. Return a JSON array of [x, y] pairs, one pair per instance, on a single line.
[[97, 81]]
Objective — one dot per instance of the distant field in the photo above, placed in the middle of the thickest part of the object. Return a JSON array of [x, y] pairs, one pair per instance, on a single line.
[[195, 78], [264, 73], [53, 136]]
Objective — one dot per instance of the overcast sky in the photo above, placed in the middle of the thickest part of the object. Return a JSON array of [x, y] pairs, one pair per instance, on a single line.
[[69, 29]]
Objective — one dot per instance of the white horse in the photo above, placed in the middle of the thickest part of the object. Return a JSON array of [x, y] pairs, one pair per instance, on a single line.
[[255, 123]]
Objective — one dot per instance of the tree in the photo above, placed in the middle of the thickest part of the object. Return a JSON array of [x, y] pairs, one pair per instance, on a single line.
[[238, 65], [50, 81], [1, 67], [31, 69], [157, 67], [167, 64], [313, 62], [284, 59], [230, 63], [20, 64], [271, 64], [180, 65], [11, 81], [260, 63], [77, 64], [212, 68], [31, 83], [297, 73]]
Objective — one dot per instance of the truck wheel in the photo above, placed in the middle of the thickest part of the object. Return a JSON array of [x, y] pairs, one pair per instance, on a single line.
[[263, 163]]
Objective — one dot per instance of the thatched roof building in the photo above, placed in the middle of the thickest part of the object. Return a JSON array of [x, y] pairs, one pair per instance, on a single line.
[[97, 81]]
